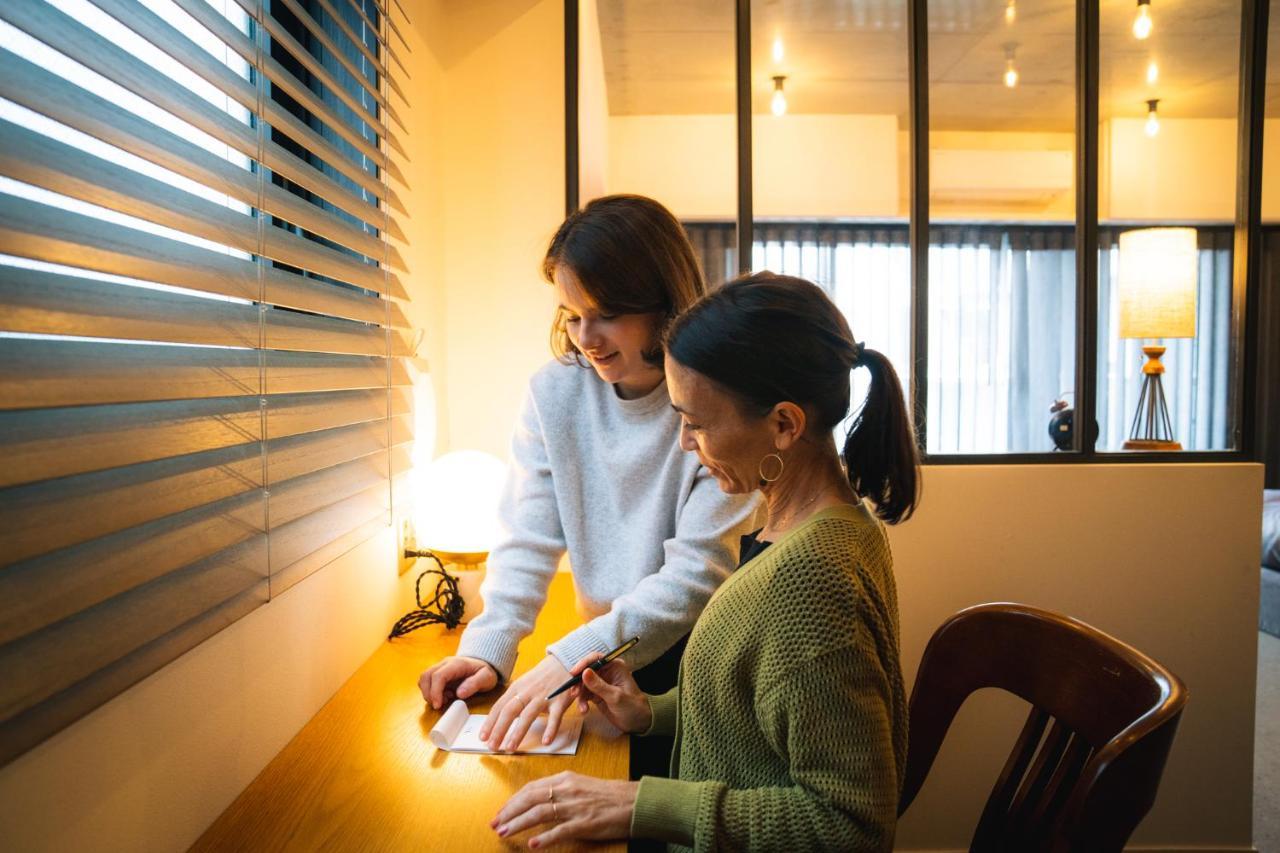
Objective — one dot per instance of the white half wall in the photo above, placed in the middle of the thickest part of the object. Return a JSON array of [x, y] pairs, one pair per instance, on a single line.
[[1164, 557]]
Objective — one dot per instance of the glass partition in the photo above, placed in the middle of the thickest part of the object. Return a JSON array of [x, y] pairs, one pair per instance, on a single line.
[[830, 177], [1168, 102], [657, 116], [1002, 289]]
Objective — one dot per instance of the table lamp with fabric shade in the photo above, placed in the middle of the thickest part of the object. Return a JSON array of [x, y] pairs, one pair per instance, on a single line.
[[1158, 270]]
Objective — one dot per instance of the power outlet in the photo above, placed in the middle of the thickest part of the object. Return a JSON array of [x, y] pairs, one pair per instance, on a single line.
[[406, 540]]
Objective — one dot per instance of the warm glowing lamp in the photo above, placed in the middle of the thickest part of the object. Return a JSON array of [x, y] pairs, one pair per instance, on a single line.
[[1010, 71], [456, 519], [457, 510], [779, 103], [1152, 125], [1142, 23], [1158, 269]]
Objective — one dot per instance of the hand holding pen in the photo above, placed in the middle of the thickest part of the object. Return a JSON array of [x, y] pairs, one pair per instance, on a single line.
[[614, 689], [597, 663]]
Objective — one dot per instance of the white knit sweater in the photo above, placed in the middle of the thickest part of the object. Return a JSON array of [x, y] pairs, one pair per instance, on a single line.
[[649, 533]]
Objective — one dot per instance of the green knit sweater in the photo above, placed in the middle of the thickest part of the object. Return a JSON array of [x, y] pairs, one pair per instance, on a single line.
[[789, 714]]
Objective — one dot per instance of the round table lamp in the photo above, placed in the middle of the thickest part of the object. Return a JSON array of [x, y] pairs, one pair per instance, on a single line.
[[1158, 269], [457, 509], [456, 518]]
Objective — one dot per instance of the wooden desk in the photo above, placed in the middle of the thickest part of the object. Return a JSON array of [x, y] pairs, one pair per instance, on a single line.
[[363, 775]]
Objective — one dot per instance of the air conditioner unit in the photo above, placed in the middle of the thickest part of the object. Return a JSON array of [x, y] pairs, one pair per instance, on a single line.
[[999, 176]]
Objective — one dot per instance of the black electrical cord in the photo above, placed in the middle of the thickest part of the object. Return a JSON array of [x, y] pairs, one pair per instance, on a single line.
[[445, 608]]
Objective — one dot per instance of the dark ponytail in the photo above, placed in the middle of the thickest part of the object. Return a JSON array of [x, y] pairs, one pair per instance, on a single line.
[[880, 453], [768, 338]]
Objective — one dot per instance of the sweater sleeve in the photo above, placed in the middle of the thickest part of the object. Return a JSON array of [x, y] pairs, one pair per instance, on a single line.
[[662, 607], [831, 719], [523, 561], [663, 707]]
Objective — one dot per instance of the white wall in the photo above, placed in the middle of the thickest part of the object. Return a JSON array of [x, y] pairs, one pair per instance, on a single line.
[[687, 162], [1164, 557], [807, 165], [1185, 172], [857, 166], [504, 197]]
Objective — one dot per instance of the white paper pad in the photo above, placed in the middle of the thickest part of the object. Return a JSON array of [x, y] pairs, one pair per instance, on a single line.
[[459, 731]]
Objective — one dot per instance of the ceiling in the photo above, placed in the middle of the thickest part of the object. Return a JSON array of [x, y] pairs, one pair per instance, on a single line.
[[850, 56]]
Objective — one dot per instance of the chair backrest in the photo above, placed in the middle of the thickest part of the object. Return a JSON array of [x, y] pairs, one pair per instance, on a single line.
[[1111, 714]]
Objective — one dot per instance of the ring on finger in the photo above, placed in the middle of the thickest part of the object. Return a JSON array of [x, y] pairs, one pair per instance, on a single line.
[[551, 794], [554, 814]]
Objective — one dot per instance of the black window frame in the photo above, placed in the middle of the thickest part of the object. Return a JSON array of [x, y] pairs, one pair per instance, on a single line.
[[1245, 395]]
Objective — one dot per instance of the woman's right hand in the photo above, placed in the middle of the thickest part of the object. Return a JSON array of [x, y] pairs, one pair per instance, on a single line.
[[456, 678], [615, 690]]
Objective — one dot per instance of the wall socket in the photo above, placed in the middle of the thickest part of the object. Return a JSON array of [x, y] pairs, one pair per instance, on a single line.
[[406, 540]]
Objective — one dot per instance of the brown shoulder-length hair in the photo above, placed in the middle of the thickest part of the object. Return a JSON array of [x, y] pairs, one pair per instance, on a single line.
[[631, 256]]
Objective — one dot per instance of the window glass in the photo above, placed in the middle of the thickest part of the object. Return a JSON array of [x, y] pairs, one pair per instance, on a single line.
[[1002, 274], [830, 177], [1167, 143], [657, 114]]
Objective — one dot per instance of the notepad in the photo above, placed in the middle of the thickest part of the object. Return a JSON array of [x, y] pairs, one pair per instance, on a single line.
[[459, 731]]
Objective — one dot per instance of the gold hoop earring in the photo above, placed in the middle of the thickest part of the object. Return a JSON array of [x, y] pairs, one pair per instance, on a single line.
[[760, 468]]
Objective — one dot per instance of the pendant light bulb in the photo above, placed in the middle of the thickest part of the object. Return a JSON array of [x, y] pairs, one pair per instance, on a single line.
[[1152, 127], [779, 102], [1153, 73], [1011, 12], [1142, 23], [1010, 71]]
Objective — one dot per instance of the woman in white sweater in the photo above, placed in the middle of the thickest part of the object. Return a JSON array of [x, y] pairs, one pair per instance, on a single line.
[[597, 471]]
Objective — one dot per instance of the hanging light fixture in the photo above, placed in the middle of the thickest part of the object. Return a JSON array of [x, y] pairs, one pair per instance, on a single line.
[[1153, 73], [779, 103], [1010, 71], [1011, 12], [1152, 127], [1142, 23]]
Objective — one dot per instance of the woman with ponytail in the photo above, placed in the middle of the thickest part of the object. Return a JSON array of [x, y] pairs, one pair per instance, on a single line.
[[789, 714]]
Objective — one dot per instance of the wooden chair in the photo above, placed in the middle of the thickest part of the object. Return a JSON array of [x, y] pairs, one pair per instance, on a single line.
[[1114, 711]]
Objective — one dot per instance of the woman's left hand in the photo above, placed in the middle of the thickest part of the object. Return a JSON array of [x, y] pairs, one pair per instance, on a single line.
[[525, 699], [575, 806]]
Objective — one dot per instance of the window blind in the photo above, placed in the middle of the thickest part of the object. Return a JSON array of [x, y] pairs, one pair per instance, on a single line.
[[204, 364]]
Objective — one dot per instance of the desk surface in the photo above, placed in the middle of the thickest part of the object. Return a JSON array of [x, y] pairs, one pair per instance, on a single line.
[[363, 775]]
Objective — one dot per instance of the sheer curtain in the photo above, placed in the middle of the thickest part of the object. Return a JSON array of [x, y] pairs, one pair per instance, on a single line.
[[1001, 324], [1001, 336], [867, 273]]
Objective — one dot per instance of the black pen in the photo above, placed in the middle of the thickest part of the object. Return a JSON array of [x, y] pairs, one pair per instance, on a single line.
[[597, 666]]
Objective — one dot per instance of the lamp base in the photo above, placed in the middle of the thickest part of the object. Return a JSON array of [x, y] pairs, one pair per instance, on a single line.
[[1151, 428], [1151, 444], [469, 588]]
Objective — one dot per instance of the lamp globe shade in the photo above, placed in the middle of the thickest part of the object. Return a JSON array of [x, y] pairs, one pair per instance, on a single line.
[[457, 511]]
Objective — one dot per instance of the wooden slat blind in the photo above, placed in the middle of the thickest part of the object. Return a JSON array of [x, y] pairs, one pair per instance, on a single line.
[[204, 367]]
